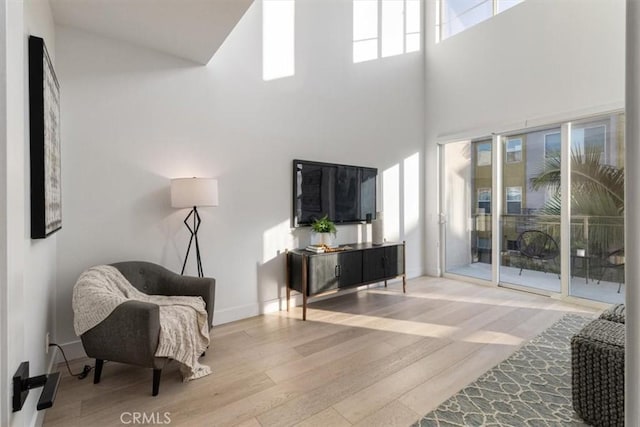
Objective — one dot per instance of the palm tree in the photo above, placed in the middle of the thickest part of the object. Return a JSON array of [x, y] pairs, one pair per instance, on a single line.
[[597, 192]]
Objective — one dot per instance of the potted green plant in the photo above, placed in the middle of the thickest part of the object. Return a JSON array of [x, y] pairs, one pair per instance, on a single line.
[[324, 230]]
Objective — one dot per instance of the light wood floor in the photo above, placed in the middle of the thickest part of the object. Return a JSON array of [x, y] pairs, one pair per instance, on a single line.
[[376, 357]]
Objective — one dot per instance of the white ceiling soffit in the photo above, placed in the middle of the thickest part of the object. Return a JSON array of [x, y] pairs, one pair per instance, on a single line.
[[190, 29]]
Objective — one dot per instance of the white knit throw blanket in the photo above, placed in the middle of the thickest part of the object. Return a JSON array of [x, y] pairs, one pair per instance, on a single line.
[[184, 329]]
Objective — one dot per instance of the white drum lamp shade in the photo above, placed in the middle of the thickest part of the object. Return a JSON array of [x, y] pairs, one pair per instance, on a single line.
[[190, 192]]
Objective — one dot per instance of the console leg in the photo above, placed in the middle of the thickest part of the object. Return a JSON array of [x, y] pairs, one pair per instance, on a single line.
[[288, 296], [288, 276], [304, 287], [385, 283], [304, 306], [404, 266]]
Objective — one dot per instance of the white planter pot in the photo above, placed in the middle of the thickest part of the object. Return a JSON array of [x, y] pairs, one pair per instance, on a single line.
[[322, 239]]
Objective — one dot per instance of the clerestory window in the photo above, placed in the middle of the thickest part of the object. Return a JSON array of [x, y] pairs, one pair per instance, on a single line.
[[455, 16]]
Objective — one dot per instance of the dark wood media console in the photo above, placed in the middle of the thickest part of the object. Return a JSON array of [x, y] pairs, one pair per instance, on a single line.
[[313, 274]]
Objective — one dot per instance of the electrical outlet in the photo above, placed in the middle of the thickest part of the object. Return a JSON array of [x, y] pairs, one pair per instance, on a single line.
[[46, 343]]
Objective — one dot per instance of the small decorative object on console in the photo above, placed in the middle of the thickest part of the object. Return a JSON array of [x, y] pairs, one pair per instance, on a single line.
[[320, 249], [324, 231], [377, 230]]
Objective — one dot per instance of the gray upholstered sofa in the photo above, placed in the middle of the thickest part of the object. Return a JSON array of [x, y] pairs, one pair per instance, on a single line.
[[597, 369], [130, 333]]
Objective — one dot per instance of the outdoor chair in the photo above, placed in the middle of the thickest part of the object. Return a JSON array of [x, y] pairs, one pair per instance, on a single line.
[[537, 246], [614, 261]]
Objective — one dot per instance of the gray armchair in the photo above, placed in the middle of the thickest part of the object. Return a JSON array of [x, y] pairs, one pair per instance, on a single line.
[[130, 333]]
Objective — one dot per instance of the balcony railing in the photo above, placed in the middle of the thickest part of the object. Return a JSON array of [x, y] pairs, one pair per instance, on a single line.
[[592, 237]]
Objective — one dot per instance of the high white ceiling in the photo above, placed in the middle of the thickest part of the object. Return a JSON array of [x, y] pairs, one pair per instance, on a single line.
[[190, 29]]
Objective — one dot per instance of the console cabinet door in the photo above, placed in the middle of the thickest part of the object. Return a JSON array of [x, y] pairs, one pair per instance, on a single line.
[[382, 263], [391, 255], [373, 264], [349, 268], [323, 273]]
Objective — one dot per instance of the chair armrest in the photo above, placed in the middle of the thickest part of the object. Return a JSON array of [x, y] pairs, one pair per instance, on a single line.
[[128, 335], [177, 285]]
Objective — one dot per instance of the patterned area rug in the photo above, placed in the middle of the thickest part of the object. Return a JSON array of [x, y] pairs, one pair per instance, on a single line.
[[531, 388]]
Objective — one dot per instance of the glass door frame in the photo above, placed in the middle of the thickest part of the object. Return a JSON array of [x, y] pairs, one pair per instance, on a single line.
[[443, 215]]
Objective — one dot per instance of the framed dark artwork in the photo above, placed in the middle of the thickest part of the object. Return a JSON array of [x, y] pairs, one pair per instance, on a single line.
[[44, 126]]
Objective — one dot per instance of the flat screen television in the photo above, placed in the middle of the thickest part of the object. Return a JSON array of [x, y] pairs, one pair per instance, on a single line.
[[346, 194]]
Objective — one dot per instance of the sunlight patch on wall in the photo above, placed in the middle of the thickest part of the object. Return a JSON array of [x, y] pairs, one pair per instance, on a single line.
[[411, 192], [391, 202], [365, 30], [276, 239], [278, 39], [412, 26], [392, 28]]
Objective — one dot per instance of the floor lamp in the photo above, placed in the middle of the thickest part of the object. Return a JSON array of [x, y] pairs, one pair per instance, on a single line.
[[191, 193]]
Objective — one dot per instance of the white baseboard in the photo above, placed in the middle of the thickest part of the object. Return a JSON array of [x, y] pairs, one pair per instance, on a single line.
[[433, 271], [235, 313], [414, 272]]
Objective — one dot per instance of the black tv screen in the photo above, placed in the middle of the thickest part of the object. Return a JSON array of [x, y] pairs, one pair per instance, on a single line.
[[346, 194]]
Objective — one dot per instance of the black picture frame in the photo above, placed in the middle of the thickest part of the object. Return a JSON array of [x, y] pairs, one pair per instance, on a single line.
[[44, 127]]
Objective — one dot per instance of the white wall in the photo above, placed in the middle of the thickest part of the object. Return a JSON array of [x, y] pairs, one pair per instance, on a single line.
[[30, 265], [4, 220], [135, 118], [537, 63]]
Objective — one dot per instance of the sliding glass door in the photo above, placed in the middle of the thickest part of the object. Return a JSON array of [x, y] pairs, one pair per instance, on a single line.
[[530, 232], [597, 209], [558, 193], [467, 208]]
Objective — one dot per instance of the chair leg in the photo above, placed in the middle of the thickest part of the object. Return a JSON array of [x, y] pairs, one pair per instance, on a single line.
[[619, 286], [97, 371], [156, 381], [520, 274]]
